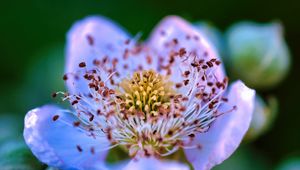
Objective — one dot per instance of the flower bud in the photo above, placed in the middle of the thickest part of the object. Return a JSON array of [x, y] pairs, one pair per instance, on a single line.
[[292, 163], [258, 53], [263, 117]]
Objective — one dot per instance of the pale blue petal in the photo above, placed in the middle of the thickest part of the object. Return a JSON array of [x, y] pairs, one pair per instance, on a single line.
[[162, 42], [227, 132], [154, 164], [98, 38], [89, 39], [55, 142]]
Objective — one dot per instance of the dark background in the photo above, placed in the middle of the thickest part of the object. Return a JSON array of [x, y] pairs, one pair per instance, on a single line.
[[31, 30]]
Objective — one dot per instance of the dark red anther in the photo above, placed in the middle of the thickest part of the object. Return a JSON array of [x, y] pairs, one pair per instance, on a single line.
[[182, 109], [74, 102], [178, 85], [201, 61], [55, 117], [93, 150], [79, 148], [105, 59], [140, 67], [86, 76], [105, 93], [175, 41], [172, 59], [194, 64], [82, 64], [218, 62], [126, 54], [149, 59], [210, 84], [90, 40], [99, 112], [65, 77], [211, 106], [213, 90], [186, 73], [224, 99], [192, 135], [219, 85], [196, 122], [76, 124], [182, 52], [91, 118], [54, 95], [111, 91], [96, 62], [186, 82], [213, 60], [170, 133], [146, 152], [101, 84], [115, 62], [210, 64], [204, 67], [203, 78]]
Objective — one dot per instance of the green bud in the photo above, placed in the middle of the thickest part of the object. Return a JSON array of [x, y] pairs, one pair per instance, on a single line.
[[263, 117], [258, 53], [290, 164]]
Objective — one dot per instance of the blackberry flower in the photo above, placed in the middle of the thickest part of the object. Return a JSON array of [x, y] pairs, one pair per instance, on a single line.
[[151, 99]]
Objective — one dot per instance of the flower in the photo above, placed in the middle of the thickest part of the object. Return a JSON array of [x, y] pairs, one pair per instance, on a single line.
[[264, 114], [151, 99], [258, 53]]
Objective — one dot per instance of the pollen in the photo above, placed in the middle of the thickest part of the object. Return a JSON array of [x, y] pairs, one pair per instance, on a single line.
[[145, 92]]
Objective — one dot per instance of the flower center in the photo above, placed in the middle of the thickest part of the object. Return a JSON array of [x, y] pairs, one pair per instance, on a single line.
[[146, 92]]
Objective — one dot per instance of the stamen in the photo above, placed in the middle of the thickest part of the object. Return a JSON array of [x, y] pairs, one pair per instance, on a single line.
[[147, 113], [145, 92]]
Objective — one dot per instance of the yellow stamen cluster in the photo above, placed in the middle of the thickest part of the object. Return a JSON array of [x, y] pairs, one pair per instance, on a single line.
[[146, 92]]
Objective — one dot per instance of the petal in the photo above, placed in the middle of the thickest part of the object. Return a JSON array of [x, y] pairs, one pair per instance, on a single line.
[[173, 34], [89, 39], [227, 132], [153, 163], [99, 39], [58, 143]]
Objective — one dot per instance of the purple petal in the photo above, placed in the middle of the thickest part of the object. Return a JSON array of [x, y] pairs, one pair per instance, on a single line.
[[89, 39], [173, 34], [153, 163], [104, 46], [227, 132], [51, 136]]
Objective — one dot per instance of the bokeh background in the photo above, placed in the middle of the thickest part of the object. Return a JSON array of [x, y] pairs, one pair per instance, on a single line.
[[32, 59]]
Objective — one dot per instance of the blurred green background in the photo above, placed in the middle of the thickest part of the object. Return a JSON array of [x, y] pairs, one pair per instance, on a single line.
[[32, 57]]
